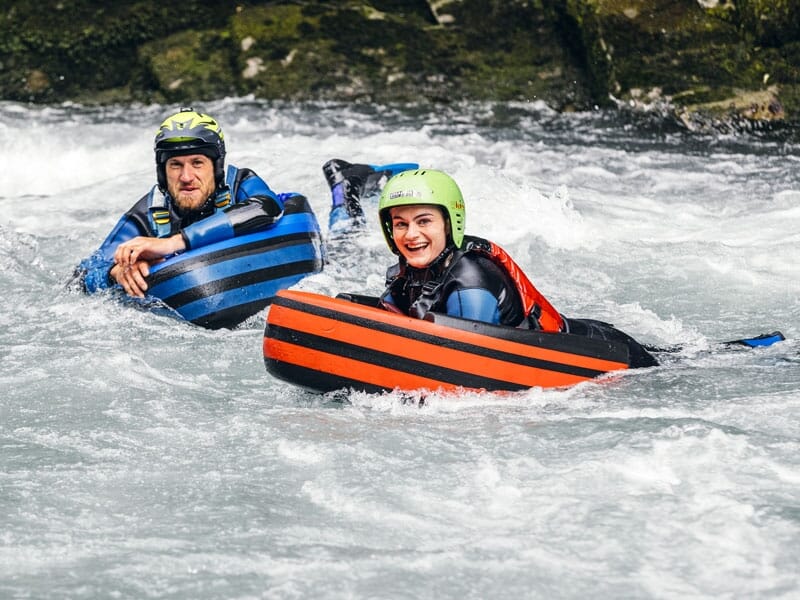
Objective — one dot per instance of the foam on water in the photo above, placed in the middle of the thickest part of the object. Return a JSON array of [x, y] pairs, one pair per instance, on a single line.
[[143, 457]]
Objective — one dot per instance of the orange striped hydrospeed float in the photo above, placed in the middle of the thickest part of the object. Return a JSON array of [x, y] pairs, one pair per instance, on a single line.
[[325, 344]]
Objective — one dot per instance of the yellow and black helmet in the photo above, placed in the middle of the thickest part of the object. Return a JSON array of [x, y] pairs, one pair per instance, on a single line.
[[190, 132]]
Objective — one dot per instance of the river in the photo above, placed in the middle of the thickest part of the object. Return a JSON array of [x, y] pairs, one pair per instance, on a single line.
[[144, 457]]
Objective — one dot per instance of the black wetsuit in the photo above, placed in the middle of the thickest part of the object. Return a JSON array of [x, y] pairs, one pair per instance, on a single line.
[[461, 284], [471, 285]]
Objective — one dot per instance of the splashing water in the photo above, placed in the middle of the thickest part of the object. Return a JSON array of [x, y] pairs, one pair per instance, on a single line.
[[147, 458]]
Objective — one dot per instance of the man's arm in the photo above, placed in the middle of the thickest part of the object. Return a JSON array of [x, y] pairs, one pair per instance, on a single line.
[[94, 272], [255, 207]]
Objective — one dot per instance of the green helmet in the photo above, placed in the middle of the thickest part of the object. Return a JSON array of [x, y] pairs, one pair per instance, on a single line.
[[190, 132], [423, 186]]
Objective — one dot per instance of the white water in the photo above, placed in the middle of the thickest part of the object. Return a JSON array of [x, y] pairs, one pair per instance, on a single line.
[[142, 457]]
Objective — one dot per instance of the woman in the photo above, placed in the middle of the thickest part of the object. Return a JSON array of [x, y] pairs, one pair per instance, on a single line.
[[422, 216]]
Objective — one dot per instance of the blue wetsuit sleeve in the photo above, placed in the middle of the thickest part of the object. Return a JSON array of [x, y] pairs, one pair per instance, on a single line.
[[474, 303], [94, 270], [252, 185], [207, 231], [255, 207]]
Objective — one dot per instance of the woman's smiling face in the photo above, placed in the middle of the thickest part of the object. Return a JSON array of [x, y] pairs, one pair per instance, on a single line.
[[420, 232]]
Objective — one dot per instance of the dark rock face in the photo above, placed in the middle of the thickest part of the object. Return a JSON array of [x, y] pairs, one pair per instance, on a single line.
[[692, 59], [700, 58]]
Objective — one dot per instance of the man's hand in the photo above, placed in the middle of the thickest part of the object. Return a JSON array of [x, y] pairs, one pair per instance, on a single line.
[[133, 259], [132, 277]]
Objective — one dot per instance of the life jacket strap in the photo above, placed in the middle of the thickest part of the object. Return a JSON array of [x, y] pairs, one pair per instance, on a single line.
[[429, 288], [223, 197], [158, 213]]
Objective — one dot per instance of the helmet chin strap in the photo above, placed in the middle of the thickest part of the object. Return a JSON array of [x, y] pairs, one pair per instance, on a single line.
[[219, 172]]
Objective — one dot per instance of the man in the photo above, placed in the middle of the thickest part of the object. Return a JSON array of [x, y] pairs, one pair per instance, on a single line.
[[194, 203]]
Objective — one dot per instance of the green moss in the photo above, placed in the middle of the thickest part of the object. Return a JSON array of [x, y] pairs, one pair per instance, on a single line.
[[271, 24], [191, 65], [770, 22], [85, 45], [307, 52]]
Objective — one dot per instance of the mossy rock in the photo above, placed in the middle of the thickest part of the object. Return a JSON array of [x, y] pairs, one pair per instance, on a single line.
[[191, 65], [771, 23], [66, 49], [351, 52], [692, 54], [683, 52]]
